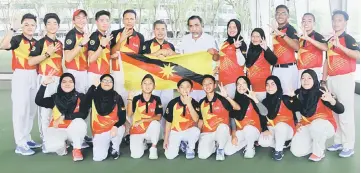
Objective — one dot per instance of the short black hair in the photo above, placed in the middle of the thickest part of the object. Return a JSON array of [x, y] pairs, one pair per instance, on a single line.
[[51, 16], [310, 14], [130, 11], [28, 16], [210, 77], [149, 76], [343, 13], [101, 13], [159, 22], [184, 80], [283, 6], [195, 17]]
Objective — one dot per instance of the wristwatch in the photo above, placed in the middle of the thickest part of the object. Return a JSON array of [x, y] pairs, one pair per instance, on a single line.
[[103, 47], [47, 55], [81, 45]]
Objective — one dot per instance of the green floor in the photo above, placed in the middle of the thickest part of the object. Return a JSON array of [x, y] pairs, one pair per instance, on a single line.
[[262, 163]]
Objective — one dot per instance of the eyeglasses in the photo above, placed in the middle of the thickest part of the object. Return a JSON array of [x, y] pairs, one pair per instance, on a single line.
[[107, 81]]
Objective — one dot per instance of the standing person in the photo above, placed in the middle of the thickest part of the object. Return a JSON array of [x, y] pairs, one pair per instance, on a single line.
[[214, 122], [245, 123], [232, 57], [126, 40], [76, 50], [339, 68], [68, 114], [285, 43], [146, 111], [317, 124], [108, 117], [279, 125], [99, 47], [312, 45], [196, 41], [48, 53], [258, 62], [23, 84], [182, 115]]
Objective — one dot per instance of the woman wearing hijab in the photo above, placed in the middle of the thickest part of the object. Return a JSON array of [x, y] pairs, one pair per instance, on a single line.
[[317, 122], [259, 60], [107, 117], [278, 125], [232, 57], [68, 114], [245, 123]]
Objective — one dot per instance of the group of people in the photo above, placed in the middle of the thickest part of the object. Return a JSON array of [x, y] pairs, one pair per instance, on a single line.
[[258, 103]]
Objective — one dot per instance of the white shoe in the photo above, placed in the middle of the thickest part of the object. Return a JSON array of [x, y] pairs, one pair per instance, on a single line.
[[249, 154], [153, 154]]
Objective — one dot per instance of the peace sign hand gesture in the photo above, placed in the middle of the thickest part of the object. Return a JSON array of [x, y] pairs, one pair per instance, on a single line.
[[49, 78], [223, 91], [327, 96], [237, 43], [275, 30], [252, 95], [263, 44]]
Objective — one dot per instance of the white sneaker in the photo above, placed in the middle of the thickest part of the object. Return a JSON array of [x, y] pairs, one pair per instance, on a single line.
[[220, 155], [249, 154], [153, 154]]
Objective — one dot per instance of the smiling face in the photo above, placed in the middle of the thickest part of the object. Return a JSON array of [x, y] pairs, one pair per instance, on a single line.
[[308, 22], [282, 16], [67, 84], [28, 27], [256, 38], [338, 22], [148, 86], [80, 20], [160, 31], [307, 81], [52, 26], [208, 85], [271, 87], [232, 29], [242, 86], [107, 83]]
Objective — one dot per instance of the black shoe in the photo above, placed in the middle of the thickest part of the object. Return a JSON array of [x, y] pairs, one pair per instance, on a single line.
[[287, 144], [278, 155], [126, 139], [88, 139], [115, 154]]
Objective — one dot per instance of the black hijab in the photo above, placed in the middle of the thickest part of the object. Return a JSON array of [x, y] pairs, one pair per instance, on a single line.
[[254, 50], [66, 102], [273, 101], [239, 27], [105, 101], [242, 100], [309, 97]]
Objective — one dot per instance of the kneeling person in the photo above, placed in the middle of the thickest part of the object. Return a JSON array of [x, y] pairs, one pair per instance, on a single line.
[[108, 117], [67, 122], [214, 122], [182, 115], [146, 111]]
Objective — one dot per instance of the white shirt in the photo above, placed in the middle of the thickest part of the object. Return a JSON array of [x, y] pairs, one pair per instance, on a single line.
[[203, 43]]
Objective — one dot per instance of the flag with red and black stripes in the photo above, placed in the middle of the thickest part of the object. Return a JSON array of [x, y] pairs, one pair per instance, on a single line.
[[166, 71]]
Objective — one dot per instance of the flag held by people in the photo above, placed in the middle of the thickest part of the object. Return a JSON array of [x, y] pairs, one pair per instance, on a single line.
[[166, 71]]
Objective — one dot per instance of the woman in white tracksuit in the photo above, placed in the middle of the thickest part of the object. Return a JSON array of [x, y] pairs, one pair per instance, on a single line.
[[245, 123], [279, 124], [68, 114], [107, 117], [317, 123]]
